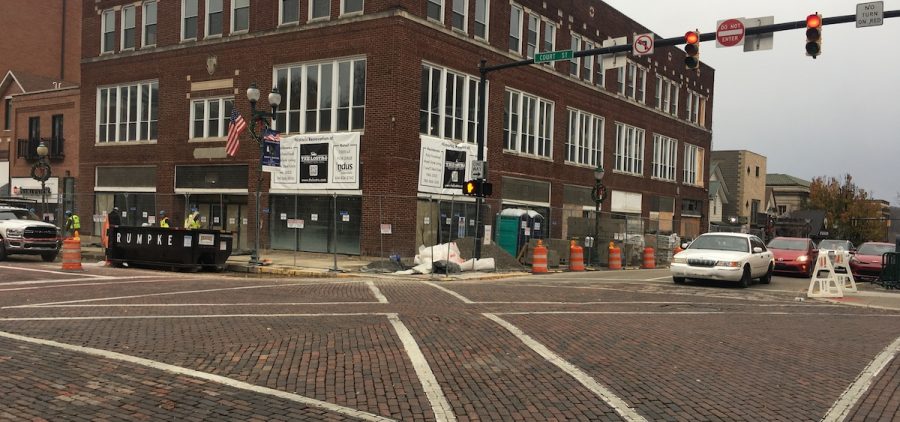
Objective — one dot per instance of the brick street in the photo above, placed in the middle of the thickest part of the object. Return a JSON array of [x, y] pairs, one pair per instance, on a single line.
[[128, 344]]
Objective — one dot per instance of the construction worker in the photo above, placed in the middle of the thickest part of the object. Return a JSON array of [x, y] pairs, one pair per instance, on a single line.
[[192, 222], [115, 219], [73, 223], [163, 219]]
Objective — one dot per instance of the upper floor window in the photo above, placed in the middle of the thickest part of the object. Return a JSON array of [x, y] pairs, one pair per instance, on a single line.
[[7, 113], [666, 95], [587, 71], [696, 108], [322, 97], [435, 10], [351, 6], [693, 165], [600, 72], [448, 107], [34, 127], [148, 38], [108, 28], [531, 37], [528, 124], [515, 29], [240, 15], [549, 43], [189, 19], [128, 31], [319, 9], [214, 19], [630, 82], [127, 112], [585, 142], [56, 126], [575, 62], [665, 154], [209, 117], [289, 11], [482, 11], [458, 17], [629, 149]]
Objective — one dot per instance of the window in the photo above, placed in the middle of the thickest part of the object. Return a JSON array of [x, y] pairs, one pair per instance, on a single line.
[[754, 211], [531, 37], [127, 112], [289, 10], [458, 17], [322, 97], [319, 9], [666, 95], [188, 20], [515, 29], [108, 41], [148, 37], [575, 62], [691, 207], [482, 9], [240, 15], [435, 10], [600, 76], [664, 157], [630, 82], [696, 108], [449, 105], [588, 70], [7, 113], [527, 124], [351, 6], [56, 128], [34, 128], [549, 38], [757, 171], [214, 18], [629, 149], [693, 165], [210, 116], [128, 31], [782, 209], [585, 142]]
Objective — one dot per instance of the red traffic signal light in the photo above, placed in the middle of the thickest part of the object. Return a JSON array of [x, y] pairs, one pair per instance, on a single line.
[[692, 50], [814, 35]]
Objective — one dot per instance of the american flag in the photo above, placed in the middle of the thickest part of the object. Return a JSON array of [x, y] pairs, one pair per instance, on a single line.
[[272, 135], [235, 127]]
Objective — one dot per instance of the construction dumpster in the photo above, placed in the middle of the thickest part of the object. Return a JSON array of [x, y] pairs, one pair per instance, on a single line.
[[168, 248]]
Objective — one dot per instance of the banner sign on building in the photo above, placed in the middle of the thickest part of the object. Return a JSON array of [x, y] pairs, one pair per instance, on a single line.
[[444, 166], [28, 188], [324, 161], [271, 155]]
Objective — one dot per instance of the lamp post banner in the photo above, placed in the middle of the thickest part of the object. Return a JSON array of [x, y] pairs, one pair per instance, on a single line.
[[318, 162], [444, 166]]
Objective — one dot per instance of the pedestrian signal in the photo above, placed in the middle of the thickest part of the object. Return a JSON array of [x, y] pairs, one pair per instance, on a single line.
[[477, 187], [692, 50], [814, 35]]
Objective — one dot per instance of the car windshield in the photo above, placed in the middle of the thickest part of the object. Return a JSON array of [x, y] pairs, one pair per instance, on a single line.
[[18, 215], [834, 244], [721, 243], [789, 244], [875, 249]]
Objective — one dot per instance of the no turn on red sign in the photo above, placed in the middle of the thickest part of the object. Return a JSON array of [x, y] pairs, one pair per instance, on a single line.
[[730, 32]]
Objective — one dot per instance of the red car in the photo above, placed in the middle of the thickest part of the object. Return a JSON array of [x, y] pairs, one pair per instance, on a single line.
[[794, 255], [866, 264]]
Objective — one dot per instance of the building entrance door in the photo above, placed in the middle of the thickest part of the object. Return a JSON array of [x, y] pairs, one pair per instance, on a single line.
[[226, 213]]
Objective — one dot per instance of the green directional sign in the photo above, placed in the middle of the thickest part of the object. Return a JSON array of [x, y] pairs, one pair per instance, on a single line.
[[552, 56]]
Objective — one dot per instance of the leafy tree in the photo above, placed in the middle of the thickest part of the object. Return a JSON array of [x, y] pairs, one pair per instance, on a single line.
[[851, 212]]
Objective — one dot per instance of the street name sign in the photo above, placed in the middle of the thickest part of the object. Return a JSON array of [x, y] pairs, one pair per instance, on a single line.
[[870, 14], [642, 45], [552, 56], [729, 33]]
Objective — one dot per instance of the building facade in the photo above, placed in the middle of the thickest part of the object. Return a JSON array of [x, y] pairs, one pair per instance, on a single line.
[[378, 120], [791, 193], [745, 174]]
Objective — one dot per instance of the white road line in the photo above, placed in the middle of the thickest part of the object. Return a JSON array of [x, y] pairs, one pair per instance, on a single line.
[[620, 406], [176, 305], [376, 292], [668, 277], [443, 412], [69, 273], [848, 399], [307, 401], [103, 283], [449, 292], [66, 280], [97, 318]]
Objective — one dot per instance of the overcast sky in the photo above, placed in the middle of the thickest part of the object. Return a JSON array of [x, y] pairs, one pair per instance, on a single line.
[[838, 114]]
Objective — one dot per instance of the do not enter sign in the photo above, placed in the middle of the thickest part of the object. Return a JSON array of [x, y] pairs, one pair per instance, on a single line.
[[729, 33]]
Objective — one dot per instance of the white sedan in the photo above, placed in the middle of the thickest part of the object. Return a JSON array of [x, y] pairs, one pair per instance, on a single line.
[[736, 257]]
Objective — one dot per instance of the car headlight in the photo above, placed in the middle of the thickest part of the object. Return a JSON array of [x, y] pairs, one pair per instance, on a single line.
[[802, 258], [14, 232], [679, 260], [730, 264]]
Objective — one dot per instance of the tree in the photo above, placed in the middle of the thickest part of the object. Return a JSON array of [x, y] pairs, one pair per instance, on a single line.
[[851, 212]]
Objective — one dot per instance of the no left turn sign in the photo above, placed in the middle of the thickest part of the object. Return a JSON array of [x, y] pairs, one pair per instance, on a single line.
[[642, 45]]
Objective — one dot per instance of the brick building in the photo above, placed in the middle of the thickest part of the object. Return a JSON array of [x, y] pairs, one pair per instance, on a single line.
[[378, 119]]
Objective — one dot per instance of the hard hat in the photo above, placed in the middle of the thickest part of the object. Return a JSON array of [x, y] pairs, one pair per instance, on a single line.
[[163, 212], [68, 212], [115, 208]]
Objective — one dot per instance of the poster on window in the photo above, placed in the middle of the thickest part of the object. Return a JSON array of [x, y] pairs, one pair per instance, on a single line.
[[328, 161], [444, 166]]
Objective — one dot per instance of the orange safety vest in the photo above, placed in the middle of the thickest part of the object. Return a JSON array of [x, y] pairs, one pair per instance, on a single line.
[[104, 236]]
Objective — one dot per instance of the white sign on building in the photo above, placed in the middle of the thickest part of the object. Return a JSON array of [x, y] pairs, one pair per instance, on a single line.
[[323, 161], [444, 166]]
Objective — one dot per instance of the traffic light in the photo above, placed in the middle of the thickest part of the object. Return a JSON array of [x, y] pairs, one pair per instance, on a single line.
[[478, 187], [814, 35], [692, 49]]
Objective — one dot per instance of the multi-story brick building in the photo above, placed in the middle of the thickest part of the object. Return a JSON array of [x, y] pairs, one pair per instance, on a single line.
[[384, 94]]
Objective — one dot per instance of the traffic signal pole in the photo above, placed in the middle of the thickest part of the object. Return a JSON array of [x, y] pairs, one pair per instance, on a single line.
[[484, 69]]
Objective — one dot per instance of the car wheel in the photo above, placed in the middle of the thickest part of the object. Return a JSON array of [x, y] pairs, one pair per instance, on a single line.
[[766, 279], [49, 257], [745, 278], [678, 280]]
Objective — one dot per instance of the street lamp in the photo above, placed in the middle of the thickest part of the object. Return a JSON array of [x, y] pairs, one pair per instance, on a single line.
[[40, 171], [266, 118], [598, 194]]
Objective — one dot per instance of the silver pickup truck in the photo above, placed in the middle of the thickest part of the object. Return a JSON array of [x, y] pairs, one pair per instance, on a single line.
[[22, 232]]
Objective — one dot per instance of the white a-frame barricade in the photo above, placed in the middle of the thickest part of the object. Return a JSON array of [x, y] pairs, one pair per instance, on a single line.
[[823, 282], [841, 262]]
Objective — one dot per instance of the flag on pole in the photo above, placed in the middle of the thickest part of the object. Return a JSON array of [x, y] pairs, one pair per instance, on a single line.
[[235, 127], [272, 135]]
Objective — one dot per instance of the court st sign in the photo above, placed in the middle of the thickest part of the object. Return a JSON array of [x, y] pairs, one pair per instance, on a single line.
[[552, 56]]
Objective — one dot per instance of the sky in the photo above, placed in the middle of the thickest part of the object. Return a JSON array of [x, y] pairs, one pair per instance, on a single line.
[[835, 115]]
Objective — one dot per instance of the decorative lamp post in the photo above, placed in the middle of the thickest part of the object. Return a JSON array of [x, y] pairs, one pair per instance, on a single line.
[[265, 118], [40, 171], [598, 194]]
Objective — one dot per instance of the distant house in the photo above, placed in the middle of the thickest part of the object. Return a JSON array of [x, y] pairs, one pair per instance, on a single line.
[[803, 223], [718, 194], [791, 193], [745, 174]]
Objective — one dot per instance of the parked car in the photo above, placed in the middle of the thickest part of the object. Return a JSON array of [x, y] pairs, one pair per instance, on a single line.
[[22, 232], [794, 255], [866, 264], [738, 257], [837, 245]]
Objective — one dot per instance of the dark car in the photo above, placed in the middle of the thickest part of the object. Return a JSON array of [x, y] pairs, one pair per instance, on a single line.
[[866, 264], [794, 255], [837, 245]]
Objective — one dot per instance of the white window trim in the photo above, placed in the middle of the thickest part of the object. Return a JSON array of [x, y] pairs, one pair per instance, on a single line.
[[693, 166], [119, 88], [183, 17], [629, 152], [206, 14], [517, 146], [234, 8], [465, 100], [623, 78], [335, 87], [441, 5], [595, 146], [133, 27], [344, 12], [281, 21], [537, 35], [144, 23], [311, 8], [665, 158], [487, 20], [549, 24], [575, 46], [223, 118], [103, 32], [521, 10], [465, 15]]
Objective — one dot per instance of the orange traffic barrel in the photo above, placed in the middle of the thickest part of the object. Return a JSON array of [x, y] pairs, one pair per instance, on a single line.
[[576, 257], [71, 254], [649, 258], [539, 259], [615, 257]]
